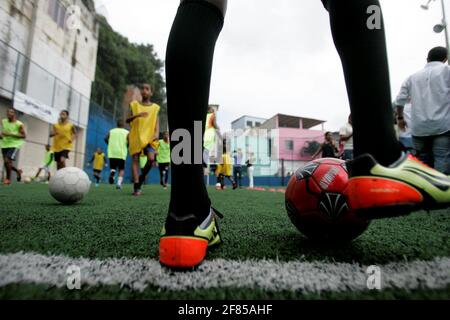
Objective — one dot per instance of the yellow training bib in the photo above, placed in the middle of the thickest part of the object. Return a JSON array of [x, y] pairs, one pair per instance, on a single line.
[[99, 161], [226, 167], [63, 139], [142, 131]]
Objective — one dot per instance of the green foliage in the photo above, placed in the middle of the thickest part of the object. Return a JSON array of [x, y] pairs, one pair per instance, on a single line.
[[121, 63]]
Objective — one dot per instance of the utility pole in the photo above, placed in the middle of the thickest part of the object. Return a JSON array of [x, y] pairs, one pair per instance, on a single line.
[[443, 26]]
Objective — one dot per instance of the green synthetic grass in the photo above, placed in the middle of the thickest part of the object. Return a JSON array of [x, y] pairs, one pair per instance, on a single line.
[[30, 292], [110, 223]]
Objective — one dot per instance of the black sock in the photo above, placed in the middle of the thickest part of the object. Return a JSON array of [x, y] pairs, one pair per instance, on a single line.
[[189, 60], [111, 177], [365, 63], [148, 167], [137, 186], [97, 179], [161, 179]]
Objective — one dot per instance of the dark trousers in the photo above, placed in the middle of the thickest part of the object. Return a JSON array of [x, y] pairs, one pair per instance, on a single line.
[[237, 174], [164, 173], [434, 151]]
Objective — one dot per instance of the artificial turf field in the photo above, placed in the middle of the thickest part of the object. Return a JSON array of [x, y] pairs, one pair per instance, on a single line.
[[112, 224]]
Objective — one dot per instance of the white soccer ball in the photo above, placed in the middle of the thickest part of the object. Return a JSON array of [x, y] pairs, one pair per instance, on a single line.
[[69, 185]]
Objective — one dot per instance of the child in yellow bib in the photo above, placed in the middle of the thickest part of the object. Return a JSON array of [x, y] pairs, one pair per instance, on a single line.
[[12, 137], [144, 134], [63, 134], [98, 161], [225, 170]]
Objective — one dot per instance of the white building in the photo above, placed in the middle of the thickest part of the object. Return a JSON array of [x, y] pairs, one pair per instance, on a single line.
[[247, 122], [48, 54]]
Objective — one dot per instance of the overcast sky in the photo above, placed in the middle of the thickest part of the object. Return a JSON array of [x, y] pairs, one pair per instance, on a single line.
[[278, 56]]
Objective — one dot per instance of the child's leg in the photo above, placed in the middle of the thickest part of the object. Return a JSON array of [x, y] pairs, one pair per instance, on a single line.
[[8, 168], [233, 182], [38, 173], [61, 164], [17, 171], [120, 178], [239, 181], [151, 155], [112, 175], [135, 168], [161, 175], [97, 176], [166, 175]]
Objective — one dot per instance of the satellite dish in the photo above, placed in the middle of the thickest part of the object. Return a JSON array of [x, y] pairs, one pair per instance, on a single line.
[[426, 6], [439, 28]]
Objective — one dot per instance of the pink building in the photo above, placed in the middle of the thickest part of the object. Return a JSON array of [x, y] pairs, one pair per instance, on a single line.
[[282, 140], [294, 138]]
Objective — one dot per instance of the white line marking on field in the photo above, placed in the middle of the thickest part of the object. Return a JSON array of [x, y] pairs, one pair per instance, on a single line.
[[305, 277]]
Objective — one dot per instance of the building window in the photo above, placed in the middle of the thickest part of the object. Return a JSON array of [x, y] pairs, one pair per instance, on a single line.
[[257, 124], [249, 124], [289, 145], [269, 145], [57, 12]]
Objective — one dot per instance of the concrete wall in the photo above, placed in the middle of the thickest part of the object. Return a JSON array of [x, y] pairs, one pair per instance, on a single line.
[[64, 60], [70, 54], [60, 75]]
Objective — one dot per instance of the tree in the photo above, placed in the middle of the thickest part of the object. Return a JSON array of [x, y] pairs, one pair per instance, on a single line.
[[121, 63]]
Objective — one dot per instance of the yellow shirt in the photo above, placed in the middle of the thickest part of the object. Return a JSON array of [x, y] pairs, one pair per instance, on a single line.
[[142, 131], [63, 140], [226, 167], [99, 161]]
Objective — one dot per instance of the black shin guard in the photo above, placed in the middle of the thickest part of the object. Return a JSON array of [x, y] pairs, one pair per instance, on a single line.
[[188, 74], [365, 63]]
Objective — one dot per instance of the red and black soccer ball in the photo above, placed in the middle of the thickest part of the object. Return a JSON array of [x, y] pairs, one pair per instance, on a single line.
[[317, 206]]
